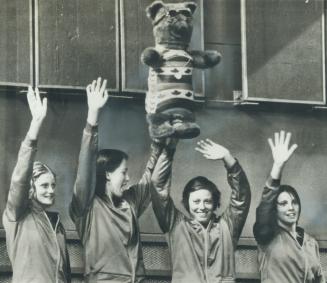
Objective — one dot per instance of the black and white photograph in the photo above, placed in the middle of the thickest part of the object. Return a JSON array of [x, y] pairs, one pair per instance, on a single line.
[[163, 141]]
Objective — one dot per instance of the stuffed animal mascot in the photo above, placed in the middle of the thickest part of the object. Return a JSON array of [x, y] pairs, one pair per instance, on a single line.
[[170, 97]]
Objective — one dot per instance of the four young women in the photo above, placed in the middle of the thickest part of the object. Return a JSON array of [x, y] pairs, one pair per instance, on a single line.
[[105, 210]]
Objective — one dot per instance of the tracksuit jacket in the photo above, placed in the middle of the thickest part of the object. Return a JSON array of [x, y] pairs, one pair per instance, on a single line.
[[283, 258], [36, 241], [109, 231], [199, 254]]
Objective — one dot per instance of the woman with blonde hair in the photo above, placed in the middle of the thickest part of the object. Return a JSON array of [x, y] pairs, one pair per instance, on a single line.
[[35, 237]]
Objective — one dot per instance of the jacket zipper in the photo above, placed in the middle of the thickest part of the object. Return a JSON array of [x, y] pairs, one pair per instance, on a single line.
[[206, 254], [57, 245]]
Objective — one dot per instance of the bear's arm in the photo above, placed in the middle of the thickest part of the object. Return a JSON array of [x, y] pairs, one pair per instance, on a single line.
[[205, 59], [151, 57]]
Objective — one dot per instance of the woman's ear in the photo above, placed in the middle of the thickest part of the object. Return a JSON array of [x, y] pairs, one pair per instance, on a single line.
[[108, 176]]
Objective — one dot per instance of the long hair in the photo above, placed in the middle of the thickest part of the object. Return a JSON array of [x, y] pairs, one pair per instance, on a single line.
[[264, 232], [199, 183], [108, 160], [39, 169]]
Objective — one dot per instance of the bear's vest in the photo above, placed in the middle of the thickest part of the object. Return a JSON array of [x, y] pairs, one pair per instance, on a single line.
[[170, 85]]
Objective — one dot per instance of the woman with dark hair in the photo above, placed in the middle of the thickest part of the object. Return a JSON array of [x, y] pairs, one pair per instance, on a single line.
[[104, 208], [285, 252], [202, 244], [35, 237]]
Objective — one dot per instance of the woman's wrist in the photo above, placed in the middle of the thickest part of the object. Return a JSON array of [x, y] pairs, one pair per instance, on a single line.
[[34, 129], [92, 117], [229, 160], [276, 170]]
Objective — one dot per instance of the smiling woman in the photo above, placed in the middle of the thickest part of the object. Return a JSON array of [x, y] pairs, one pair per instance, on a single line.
[[36, 240], [104, 207], [285, 252], [202, 244], [43, 184]]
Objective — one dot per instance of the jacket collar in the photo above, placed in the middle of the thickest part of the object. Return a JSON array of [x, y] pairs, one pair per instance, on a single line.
[[197, 226]]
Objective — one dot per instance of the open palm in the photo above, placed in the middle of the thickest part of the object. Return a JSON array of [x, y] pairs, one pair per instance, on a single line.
[[97, 95], [280, 149], [211, 150], [38, 106]]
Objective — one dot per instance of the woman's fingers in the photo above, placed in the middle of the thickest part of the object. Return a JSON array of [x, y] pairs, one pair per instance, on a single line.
[[282, 137], [106, 94], [292, 149], [45, 105], [288, 139], [89, 88], [30, 96], [271, 144], [93, 85], [98, 84], [103, 86]]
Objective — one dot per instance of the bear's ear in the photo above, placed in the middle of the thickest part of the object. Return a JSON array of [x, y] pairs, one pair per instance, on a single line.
[[152, 10], [191, 5]]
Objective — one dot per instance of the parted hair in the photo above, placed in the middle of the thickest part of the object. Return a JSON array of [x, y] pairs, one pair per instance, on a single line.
[[108, 160], [199, 183], [39, 169]]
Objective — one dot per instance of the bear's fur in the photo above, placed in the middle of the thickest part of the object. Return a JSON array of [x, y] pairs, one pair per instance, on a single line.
[[170, 96]]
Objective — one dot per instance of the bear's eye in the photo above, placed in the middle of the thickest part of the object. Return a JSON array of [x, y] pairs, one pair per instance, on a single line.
[[185, 13], [172, 13]]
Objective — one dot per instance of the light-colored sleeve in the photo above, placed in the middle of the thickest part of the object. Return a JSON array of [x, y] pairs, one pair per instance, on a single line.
[[139, 194], [18, 197], [163, 206], [84, 187]]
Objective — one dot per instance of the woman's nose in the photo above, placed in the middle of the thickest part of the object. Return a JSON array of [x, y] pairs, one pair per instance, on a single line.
[[291, 206], [127, 178], [201, 205]]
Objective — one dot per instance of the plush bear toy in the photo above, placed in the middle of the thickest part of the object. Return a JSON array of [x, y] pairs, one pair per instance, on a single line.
[[170, 96]]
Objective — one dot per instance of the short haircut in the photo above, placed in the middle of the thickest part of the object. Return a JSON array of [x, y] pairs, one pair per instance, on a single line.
[[108, 160], [200, 183]]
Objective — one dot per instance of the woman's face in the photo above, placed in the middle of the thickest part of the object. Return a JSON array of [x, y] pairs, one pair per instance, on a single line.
[[44, 189], [201, 205], [118, 180], [287, 209]]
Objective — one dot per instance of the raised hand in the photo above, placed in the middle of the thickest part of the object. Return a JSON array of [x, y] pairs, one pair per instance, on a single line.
[[211, 150], [97, 96], [281, 152], [38, 108], [215, 151]]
